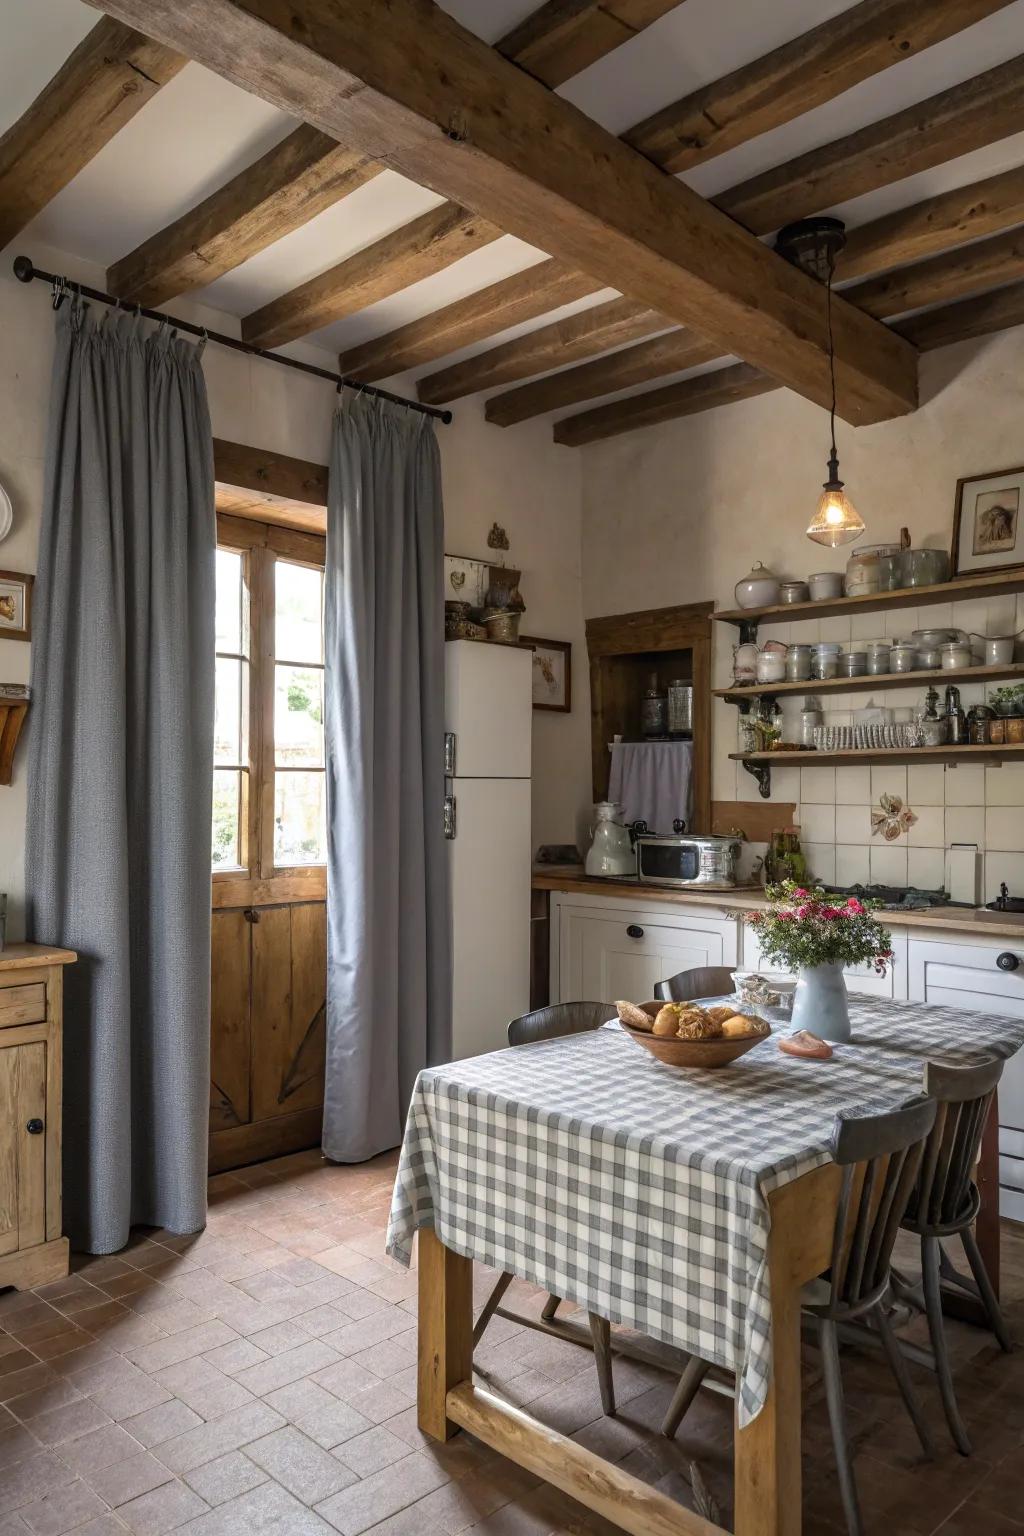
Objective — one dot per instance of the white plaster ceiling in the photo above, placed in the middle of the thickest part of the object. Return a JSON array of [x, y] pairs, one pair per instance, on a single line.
[[199, 130]]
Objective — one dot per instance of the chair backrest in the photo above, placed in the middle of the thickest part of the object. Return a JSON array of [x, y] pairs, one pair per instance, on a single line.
[[890, 1146], [944, 1195], [559, 1019], [702, 981]]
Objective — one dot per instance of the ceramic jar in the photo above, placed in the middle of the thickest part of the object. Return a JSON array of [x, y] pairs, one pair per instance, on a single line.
[[744, 663], [811, 720], [878, 658], [923, 567], [863, 569], [853, 663], [825, 660], [956, 654], [793, 592], [798, 663], [771, 666], [929, 657], [902, 656], [825, 585], [758, 589], [998, 649]]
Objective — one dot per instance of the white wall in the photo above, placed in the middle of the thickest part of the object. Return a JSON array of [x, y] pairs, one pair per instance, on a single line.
[[522, 480], [678, 513]]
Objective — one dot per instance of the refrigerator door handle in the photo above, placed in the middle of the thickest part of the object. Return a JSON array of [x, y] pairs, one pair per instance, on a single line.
[[449, 817], [449, 754]]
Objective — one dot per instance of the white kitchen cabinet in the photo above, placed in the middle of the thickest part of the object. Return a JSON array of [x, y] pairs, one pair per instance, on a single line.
[[859, 978], [603, 948], [965, 975]]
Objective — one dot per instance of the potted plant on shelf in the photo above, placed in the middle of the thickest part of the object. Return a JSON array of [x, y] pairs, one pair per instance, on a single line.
[[1008, 700], [816, 936]]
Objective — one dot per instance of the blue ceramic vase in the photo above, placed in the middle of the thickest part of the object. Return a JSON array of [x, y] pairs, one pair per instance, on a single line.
[[820, 1003]]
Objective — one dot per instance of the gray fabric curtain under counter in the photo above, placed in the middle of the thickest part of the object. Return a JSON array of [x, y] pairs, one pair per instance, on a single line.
[[120, 768], [388, 923]]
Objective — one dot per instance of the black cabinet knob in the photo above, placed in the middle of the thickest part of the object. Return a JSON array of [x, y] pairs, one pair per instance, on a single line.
[[1007, 961], [635, 931], [34, 1127]]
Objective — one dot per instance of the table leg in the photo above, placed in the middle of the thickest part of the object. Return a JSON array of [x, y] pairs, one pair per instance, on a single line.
[[445, 1335]]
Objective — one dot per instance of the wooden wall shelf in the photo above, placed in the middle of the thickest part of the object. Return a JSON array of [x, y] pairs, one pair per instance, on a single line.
[[865, 683], [990, 753], [12, 718], [877, 602]]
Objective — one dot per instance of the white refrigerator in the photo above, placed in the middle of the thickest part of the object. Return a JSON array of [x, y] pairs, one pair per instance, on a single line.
[[488, 726]]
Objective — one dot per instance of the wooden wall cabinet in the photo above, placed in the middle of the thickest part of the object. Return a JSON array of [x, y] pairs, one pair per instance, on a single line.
[[32, 1250], [268, 1032]]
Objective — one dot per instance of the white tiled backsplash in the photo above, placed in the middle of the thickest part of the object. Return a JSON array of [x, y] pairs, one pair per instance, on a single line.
[[956, 803]]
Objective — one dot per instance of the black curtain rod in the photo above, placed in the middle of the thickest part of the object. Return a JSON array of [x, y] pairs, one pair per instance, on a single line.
[[24, 271]]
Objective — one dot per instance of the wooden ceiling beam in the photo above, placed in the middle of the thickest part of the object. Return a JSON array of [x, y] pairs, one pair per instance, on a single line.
[[453, 115], [963, 118], [99, 88], [934, 224], [285, 188], [411, 252], [310, 171], [983, 315], [798, 76]]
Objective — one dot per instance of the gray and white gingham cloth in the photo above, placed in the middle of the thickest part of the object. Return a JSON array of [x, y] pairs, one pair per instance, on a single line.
[[640, 1191]]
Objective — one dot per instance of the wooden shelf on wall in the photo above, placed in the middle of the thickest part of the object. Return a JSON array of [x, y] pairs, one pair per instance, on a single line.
[[990, 753], [12, 718], [866, 683], [993, 585]]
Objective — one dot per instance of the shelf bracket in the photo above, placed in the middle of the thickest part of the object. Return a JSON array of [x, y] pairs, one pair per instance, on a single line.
[[763, 774], [748, 631]]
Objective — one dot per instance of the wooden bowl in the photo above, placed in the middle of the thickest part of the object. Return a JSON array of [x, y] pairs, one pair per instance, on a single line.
[[689, 1053]]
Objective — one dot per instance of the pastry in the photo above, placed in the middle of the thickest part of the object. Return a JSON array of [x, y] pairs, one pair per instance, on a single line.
[[740, 1026], [667, 1021], [803, 1043], [720, 1012], [634, 1016]]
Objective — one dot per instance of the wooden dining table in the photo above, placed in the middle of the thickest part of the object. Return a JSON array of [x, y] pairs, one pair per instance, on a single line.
[[691, 1206]]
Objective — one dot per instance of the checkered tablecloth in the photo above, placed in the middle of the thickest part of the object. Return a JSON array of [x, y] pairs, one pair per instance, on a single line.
[[640, 1191]]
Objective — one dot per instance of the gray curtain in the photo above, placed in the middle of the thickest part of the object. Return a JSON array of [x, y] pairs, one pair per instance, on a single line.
[[388, 941], [120, 767]]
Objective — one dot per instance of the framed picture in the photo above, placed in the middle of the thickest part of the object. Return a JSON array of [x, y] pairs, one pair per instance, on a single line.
[[552, 673], [465, 581], [15, 606], [988, 523]]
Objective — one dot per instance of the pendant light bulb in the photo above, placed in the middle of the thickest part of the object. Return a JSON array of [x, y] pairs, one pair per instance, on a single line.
[[837, 520]]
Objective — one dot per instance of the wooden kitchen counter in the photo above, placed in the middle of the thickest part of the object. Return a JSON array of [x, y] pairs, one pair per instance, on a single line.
[[975, 921]]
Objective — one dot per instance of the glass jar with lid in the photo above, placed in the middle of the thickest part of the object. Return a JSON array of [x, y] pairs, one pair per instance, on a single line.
[[863, 569]]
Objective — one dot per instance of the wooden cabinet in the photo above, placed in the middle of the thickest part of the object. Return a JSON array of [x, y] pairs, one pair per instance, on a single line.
[[604, 948], [32, 1250], [268, 1031]]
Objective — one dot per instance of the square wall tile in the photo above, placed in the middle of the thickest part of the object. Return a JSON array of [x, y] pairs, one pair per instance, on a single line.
[[817, 823], [786, 784], [965, 824], [821, 861], [853, 784], [926, 868], [1004, 829], [929, 830], [853, 824], [926, 784], [965, 784], [818, 786], [888, 864], [837, 627], [1003, 869], [1004, 784], [853, 864], [888, 779]]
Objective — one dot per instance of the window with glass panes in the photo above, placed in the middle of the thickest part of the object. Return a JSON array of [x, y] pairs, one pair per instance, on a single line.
[[269, 810]]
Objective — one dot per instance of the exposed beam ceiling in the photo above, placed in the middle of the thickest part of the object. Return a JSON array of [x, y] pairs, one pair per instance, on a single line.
[[452, 114], [309, 171], [969, 318], [936, 224], [411, 252], [109, 77], [832, 174], [799, 76]]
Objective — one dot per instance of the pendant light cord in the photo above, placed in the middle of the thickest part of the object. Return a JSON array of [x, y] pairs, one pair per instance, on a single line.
[[831, 353]]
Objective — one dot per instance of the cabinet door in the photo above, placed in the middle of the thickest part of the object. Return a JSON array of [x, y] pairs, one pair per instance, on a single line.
[[601, 959], [22, 1154], [966, 977]]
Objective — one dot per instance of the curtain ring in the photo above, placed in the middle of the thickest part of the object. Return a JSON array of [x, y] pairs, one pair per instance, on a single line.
[[204, 337], [59, 291]]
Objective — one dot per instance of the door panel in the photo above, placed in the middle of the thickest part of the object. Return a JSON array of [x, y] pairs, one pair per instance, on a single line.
[[230, 1036], [9, 1149], [22, 1155], [289, 1007], [601, 959]]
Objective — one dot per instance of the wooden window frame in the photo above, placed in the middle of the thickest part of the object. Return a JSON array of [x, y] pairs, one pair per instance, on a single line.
[[260, 882]]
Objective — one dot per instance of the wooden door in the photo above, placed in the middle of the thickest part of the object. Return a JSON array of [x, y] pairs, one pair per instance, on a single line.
[[22, 1152]]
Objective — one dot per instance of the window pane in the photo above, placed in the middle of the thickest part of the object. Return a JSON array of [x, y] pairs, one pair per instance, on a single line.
[[229, 601], [227, 711], [298, 717], [298, 602], [226, 819], [300, 819]]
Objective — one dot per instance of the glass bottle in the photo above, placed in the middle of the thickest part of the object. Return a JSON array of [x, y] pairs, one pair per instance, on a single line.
[[956, 720], [653, 710]]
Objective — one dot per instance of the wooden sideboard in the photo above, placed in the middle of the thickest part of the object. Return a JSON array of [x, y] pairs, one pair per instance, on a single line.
[[32, 1249]]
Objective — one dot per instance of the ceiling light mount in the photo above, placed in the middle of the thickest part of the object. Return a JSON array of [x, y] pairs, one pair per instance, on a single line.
[[813, 245]]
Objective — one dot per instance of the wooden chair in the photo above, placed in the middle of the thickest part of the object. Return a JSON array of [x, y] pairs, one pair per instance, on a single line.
[[888, 1148], [702, 981], [945, 1203], [549, 1024]]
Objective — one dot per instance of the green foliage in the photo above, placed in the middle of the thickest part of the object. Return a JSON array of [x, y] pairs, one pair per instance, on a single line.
[[803, 928], [301, 700]]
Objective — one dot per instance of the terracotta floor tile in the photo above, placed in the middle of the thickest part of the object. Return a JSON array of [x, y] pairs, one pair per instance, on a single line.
[[126, 1479], [54, 1394], [226, 1478], [371, 1451], [383, 1494], [300, 1465], [161, 1423], [69, 1421], [101, 1448], [63, 1510], [208, 1441], [31, 1479], [332, 1425], [162, 1509], [16, 1443], [292, 1365]]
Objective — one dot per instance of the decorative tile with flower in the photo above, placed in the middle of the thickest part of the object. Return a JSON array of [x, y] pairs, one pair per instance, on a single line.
[[891, 818]]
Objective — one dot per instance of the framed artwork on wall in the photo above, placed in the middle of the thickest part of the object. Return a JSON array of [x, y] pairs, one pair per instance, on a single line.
[[15, 606], [552, 673], [988, 523], [465, 580]]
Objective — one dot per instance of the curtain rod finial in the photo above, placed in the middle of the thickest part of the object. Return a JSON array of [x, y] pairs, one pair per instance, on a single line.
[[23, 269]]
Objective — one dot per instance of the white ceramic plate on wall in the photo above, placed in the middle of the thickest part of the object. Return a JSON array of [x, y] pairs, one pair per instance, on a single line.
[[6, 513]]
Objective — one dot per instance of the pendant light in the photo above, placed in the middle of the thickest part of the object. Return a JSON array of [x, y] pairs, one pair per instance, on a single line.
[[814, 244]]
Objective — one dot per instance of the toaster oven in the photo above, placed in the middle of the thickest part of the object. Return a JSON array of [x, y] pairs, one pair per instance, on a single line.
[[687, 859]]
